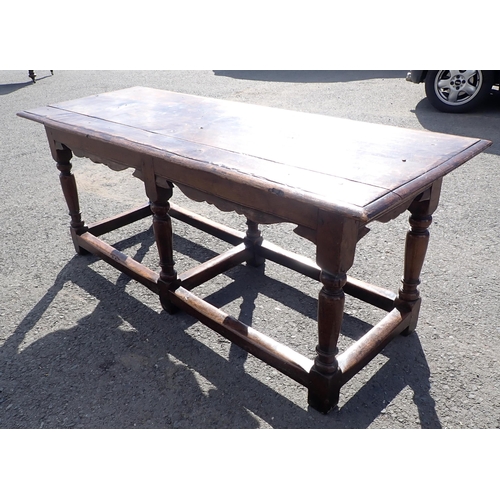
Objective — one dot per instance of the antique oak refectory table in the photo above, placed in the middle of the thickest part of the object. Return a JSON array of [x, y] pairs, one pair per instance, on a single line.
[[329, 177]]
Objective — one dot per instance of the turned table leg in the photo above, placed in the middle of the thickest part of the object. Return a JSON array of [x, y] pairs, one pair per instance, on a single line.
[[417, 241], [325, 377], [252, 239], [336, 244], [68, 185], [162, 227]]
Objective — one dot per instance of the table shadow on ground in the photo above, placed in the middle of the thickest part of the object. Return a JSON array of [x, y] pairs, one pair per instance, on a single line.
[[8, 88], [99, 374], [483, 123], [309, 76]]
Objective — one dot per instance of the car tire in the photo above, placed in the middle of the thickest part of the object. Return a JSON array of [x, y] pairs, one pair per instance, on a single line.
[[458, 91]]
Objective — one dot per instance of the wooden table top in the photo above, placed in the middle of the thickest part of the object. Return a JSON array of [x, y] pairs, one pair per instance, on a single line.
[[340, 165]]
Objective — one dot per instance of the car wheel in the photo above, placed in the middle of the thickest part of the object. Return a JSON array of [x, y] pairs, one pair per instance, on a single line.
[[457, 90]]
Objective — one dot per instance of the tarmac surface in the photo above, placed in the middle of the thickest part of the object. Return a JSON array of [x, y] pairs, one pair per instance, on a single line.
[[82, 346]]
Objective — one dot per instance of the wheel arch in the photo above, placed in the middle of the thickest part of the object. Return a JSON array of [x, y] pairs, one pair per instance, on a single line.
[[423, 76], [496, 76]]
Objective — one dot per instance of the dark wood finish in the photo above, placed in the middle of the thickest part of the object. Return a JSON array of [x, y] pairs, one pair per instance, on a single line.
[[253, 239], [124, 219], [162, 227], [70, 191], [364, 350], [220, 231], [272, 352], [218, 265], [330, 177], [120, 261]]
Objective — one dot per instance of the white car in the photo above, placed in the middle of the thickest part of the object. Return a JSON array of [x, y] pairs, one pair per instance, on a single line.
[[456, 90]]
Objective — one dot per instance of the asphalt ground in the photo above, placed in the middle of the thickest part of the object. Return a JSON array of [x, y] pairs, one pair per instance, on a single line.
[[82, 346]]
